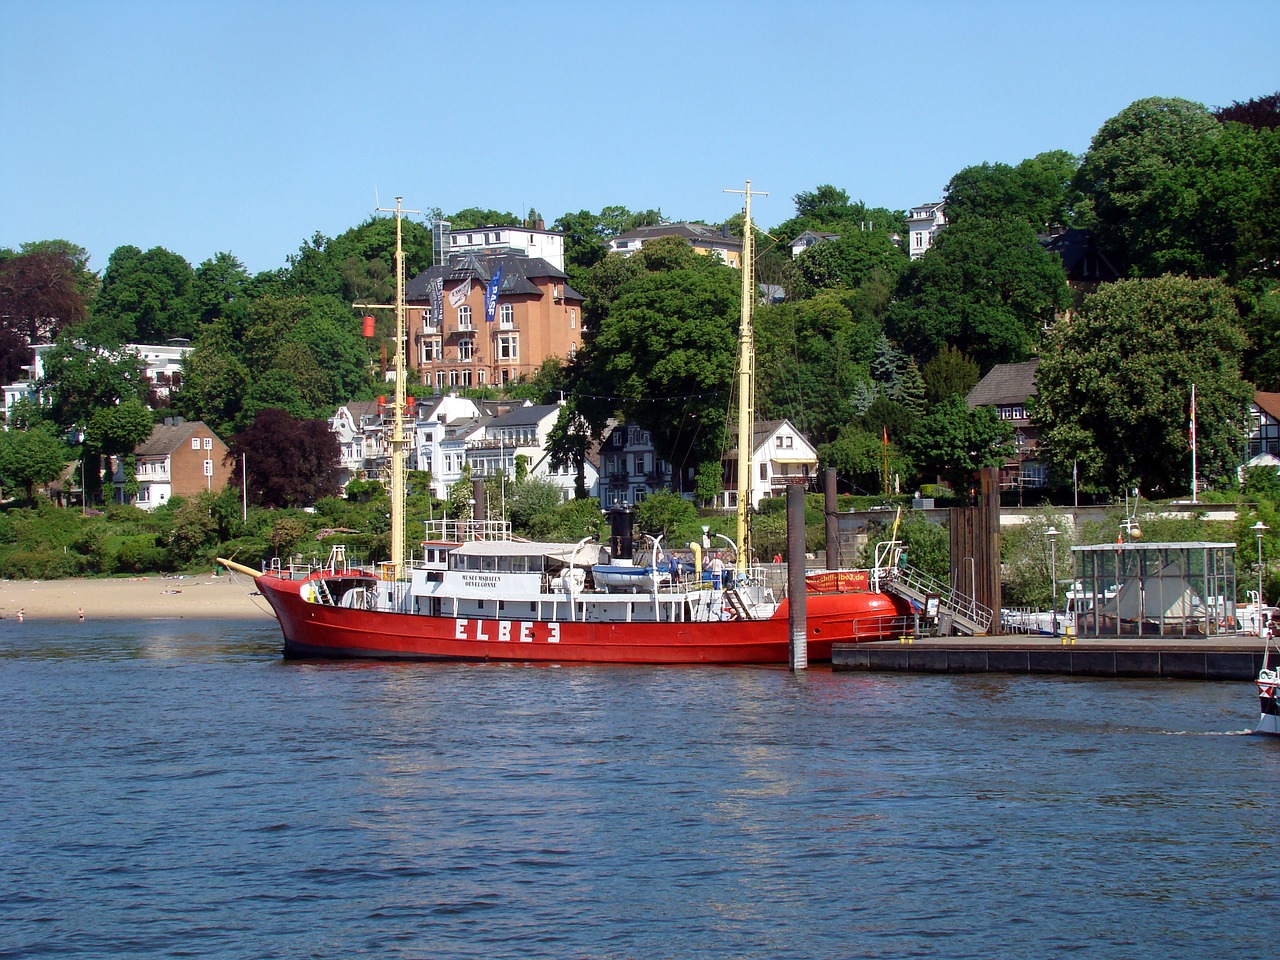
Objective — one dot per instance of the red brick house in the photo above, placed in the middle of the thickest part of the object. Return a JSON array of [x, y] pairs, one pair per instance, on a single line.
[[537, 315], [179, 459]]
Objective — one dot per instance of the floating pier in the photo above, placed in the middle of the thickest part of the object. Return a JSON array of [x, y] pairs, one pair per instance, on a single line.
[[1170, 658]]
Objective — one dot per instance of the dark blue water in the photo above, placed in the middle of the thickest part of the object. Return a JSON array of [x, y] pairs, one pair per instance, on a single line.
[[177, 790]]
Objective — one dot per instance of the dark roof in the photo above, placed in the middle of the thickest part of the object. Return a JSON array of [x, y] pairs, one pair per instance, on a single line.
[[1005, 383], [694, 232], [518, 274], [168, 437], [522, 416], [1081, 260]]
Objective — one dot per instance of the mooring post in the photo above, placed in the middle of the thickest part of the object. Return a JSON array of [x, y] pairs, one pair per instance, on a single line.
[[833, 520], [797, 620]]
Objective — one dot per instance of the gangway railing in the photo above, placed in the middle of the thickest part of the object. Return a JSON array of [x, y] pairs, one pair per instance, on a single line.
[[892, 573]]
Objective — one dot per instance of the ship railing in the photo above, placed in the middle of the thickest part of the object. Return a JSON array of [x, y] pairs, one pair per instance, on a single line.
[[462, 531]]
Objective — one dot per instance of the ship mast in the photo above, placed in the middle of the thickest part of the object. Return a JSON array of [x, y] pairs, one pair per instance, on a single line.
[[746, 385], [400, 440]]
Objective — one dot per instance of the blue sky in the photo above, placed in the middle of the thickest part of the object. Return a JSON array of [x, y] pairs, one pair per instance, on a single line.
[[248, 126]]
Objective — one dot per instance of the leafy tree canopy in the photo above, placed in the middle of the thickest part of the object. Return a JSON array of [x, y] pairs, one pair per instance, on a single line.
[[955, 442], [1134, 184], [290, 461], [1261, 113], [667, 352], [145, 298], [473, 217], [1114, 385], [987, 287], [33, 457], [1038, 190], [40, 294]]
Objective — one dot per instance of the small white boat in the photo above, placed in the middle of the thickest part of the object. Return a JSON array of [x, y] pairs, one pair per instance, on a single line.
[[621, 575]]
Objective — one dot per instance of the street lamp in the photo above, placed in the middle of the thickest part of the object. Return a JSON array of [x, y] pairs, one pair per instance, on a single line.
[[1258, 529], [1052, 534]]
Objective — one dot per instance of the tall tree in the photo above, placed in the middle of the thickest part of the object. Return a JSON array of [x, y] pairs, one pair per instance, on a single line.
[[954, 442], [987, 287], [1038, 190], [145, 298], [1114, 385], [32, 457], [1135, 185], [667, 354]]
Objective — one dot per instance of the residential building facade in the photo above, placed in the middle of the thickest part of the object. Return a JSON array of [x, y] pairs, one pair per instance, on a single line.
[[711, 241], [453, 344], [1006, 389], [781, 455], [180, 459], [923, 225]]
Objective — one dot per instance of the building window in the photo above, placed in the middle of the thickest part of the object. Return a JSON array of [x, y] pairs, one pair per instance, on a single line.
[[764, 471], [428, 350], [466, 378], [464, 317], [466, 350], [195, 443], [440, 378], [208, 443], [507, 316], [428, 321], [508, 348], [506, 375], [573, 319], [573, 350]]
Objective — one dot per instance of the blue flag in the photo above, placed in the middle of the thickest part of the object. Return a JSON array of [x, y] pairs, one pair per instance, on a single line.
[[491, 295]]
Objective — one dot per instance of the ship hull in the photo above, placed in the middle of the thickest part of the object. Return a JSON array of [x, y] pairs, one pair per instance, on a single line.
[[313, 629]]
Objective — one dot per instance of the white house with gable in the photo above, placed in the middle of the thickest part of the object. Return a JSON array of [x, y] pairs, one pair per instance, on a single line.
[[923, 226]]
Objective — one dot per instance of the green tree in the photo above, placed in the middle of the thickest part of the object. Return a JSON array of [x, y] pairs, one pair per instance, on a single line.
[[663, 513], [987, 287], [31, 458], [1114, 385], [1038, 191], [1135, 184], [193, 530], [949, 374], [145, 298], [667, 352], [811, 361], [217, 284], [955, 442]]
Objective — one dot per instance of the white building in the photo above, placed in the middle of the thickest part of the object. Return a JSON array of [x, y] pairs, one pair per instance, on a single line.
[[923, 226], [493, 241], [162, 365], [781, 456]]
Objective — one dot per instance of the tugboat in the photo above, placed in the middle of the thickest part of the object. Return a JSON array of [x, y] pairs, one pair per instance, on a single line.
[[476, 593]]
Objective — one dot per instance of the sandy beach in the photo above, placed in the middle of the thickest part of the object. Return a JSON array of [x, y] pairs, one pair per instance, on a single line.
[[225, 596]]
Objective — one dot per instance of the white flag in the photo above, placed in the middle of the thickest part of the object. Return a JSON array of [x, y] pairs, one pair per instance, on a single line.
[[458, 295]]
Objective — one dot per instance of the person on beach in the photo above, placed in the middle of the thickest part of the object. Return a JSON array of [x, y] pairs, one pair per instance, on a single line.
[[81, 613]]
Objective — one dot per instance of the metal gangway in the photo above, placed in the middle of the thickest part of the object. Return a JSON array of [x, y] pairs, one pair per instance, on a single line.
[[965, 614]]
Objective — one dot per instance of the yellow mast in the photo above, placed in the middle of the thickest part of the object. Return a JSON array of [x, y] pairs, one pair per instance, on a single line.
[[746, 385], [399, 442]]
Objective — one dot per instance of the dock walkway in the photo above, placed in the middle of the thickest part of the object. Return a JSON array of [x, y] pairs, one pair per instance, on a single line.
[[1175, 658]]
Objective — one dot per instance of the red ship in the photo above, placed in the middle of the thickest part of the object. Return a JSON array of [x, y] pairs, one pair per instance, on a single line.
[[478, 594]]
